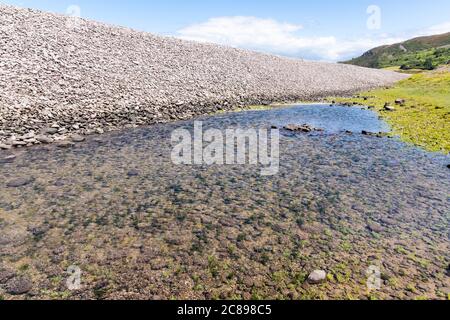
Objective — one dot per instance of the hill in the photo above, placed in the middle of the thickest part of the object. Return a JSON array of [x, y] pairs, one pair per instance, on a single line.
[[420, 53]]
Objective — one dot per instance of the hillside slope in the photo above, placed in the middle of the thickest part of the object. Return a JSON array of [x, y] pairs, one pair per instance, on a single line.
[[83, 76], [413, 53]]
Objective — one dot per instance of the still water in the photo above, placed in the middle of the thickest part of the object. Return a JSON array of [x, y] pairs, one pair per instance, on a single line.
[[138, 226]]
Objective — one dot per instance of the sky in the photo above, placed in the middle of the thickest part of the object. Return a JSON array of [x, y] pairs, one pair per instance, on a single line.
[[325, 30]]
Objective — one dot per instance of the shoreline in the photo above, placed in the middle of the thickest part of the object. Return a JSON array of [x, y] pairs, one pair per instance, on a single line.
[[61, 136]]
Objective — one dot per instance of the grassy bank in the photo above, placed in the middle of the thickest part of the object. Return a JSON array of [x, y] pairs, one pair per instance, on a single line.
[[424, 118]]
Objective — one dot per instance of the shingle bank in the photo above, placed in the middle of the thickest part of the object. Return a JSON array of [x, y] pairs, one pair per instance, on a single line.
[[61, 76]]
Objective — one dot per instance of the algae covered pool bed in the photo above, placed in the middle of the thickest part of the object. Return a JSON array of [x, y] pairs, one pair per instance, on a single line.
[[118, 212]]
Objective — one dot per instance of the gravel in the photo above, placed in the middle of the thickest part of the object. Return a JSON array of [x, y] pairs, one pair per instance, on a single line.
[[61, 76]]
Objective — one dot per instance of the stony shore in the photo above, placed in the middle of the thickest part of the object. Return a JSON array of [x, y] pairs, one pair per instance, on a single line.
[[63, 77]]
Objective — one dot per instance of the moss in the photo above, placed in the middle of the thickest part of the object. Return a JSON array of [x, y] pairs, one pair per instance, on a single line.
[[424, 118], [213, 266], [346, 246], [411, 288], [24, 267], [401, 250]]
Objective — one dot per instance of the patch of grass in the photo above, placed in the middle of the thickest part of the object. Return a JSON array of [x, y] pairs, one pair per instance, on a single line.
[[24, 267], [401, 250], [424, 118], [213, 266], [411, 288], [346, 246]]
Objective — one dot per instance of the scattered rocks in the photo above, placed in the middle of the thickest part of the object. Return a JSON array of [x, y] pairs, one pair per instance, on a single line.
[[373, 134], [317, 277], [19, 182], [302, 128], [19, 286]]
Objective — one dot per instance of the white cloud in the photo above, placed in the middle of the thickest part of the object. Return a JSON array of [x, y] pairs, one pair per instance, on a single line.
[[436, 29], [269, 35]]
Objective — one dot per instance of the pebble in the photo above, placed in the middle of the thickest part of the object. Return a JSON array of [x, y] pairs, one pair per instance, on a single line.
[[5, 146], [5, 275], [8, 159], [19, 143], [65, 144], [77, 138], [133, 173], [44, 139], [375, 227], [317, 276], [51, 131]]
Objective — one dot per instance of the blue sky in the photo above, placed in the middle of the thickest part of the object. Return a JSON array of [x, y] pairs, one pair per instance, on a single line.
[[319, 30]]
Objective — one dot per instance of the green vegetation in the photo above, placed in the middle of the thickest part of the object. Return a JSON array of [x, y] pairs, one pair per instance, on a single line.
[[425, 53], [424, 117]]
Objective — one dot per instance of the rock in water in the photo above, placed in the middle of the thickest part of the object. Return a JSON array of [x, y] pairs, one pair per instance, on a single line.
[[317, 276], [302, 128]]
